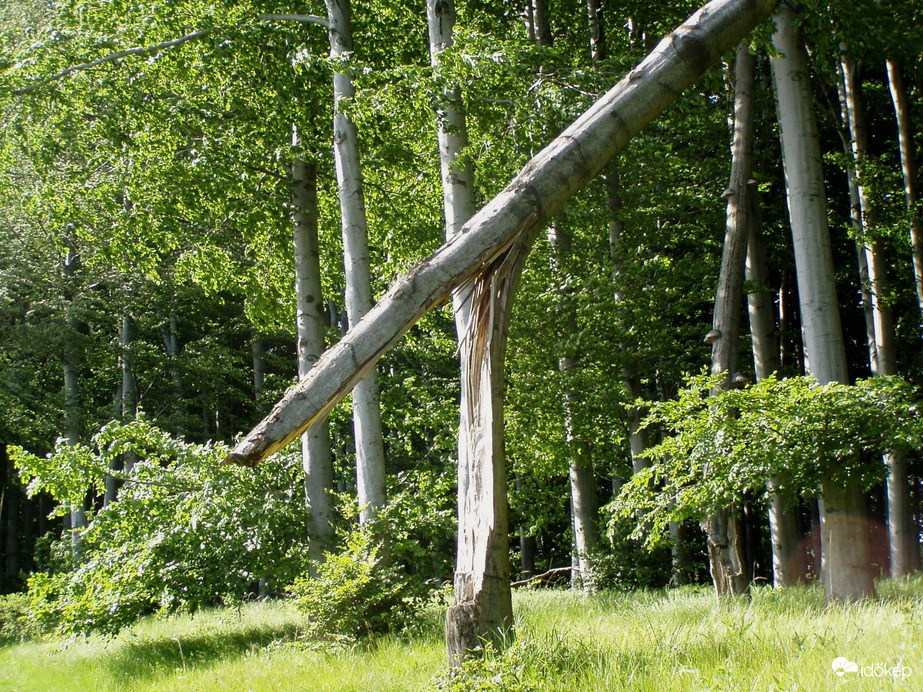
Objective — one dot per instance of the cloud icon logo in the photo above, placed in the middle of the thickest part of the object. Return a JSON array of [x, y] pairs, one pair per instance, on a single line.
[[841, 666]]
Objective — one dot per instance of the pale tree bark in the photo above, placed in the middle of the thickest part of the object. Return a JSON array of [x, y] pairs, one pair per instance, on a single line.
[[902, 533], [584, 500], [483, 606], [170, 334], [727, 562], [78, 519], [370, 450], [855, 216], [486, 259], [846, 567], [783, 530], [512, 218], [902, 114], [638, 438], [127, 401], [310, 326]]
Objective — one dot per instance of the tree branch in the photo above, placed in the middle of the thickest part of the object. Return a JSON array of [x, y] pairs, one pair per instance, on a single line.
[[556, 570], [303, 18], [139, 50]]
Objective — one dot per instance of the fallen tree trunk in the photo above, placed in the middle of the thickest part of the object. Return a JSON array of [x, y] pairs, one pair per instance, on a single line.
[[540, 190]]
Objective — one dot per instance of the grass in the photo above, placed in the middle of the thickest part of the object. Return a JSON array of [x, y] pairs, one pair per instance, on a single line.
[[657, 641]]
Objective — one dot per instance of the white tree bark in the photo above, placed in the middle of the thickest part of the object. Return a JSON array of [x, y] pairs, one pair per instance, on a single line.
[[904, 119], [370, 451], [583, 495], [729, 571], [78, 518], [845, 566], [483, 606], [782, 527], [311, 343], [902, 531], [512, 218]]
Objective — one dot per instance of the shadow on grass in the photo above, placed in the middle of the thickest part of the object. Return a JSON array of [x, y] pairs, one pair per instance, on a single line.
[[147, 657]]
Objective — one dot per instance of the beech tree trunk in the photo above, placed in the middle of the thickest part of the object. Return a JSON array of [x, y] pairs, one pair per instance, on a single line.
[[78, 519], [485, 259], [724, 530], [370, 450], [170, 334], [483, 608], [845, 569], [584, 500], [512, 218], [903, 539], [903, 115], [311, 342], [783, 529], [127, 405]]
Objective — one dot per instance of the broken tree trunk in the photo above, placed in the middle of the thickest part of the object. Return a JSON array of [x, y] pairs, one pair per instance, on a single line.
[[514, 216], [483, 264], [483, 607]]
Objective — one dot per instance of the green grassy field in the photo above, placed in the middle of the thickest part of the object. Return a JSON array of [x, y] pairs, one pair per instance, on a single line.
[[657, 641]]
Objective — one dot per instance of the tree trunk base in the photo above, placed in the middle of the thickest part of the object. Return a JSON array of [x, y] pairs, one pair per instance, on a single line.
[[467, 630]]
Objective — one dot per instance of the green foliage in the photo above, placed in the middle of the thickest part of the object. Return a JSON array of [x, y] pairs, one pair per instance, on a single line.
[[17, 621], [185, 532], [487, 670], [794, 431], [357, 592]]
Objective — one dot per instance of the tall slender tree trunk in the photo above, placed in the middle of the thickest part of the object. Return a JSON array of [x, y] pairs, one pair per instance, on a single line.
[[902, 114], [170, 334], [483, 604], [584, 500], [127, 402], [78, 519], [783, 529], [258, 351], [845, 559], [584, 503], [311, 342], [724, 528], [903, 539], [370, 450]]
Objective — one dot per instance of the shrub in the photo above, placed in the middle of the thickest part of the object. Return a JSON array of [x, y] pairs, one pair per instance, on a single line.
[[357, 593], [16, 620]]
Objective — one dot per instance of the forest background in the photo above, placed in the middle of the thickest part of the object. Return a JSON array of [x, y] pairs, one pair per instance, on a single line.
[[151, 211]]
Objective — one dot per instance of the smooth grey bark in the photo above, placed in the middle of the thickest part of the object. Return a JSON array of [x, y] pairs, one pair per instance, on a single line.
[[511, 220], [483, 608], [903, 115], [170, 335], [783, 530], [584, 501], [902, 534], [727, 562], [78, 519], [127, 401], [845, 559], [310, 323], [370, 450]]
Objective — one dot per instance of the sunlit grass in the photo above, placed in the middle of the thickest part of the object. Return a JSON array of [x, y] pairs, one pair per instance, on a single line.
[[657, 640]]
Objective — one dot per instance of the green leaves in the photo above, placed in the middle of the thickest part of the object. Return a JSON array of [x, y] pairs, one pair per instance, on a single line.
[[184, 532], [794, 431]]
